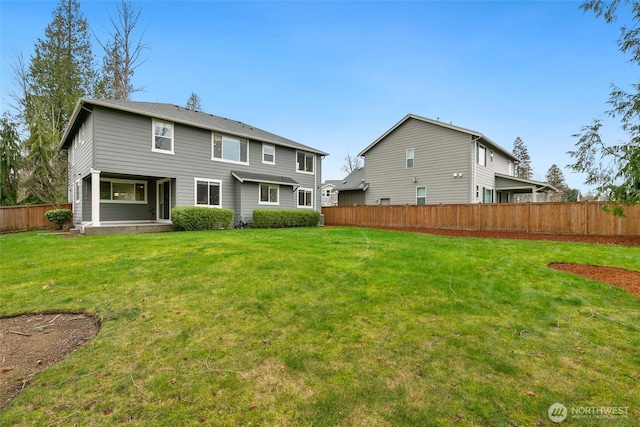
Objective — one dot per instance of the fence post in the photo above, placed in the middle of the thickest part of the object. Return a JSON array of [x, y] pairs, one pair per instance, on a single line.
[[28, 218]]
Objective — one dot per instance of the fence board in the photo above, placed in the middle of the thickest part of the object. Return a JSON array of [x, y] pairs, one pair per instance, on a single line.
[[26, 217], [554, 217]]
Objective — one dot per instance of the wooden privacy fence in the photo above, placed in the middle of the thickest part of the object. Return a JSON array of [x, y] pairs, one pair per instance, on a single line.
[[26, 217], [561, 217]]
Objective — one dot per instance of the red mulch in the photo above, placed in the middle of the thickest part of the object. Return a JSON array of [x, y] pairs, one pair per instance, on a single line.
[[626, 279]]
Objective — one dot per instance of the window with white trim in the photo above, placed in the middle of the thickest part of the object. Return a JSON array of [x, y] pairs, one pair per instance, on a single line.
[[304, 162], [269, 194], [123, 191], [421, 195], [162, 137], [208, 192], [410, 156], [487, 196], [481, 155], [269, 154], [305, 198], [226, 148]]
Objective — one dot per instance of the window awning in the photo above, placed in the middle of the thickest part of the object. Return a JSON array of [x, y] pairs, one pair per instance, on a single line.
[[243, 176]]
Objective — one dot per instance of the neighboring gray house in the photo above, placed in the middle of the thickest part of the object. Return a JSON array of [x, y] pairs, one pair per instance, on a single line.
[[425, 161], [134, 161]]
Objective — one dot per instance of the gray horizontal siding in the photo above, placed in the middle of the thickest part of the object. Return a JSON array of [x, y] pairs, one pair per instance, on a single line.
[[438, 154], [123, 144]]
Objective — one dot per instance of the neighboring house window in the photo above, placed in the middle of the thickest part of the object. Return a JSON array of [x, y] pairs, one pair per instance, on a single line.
[[482, 155], [268, 154], [488, 195], [123, 191], [491, 155], [327, 193], [304, 162], [410, 154], [208, 192], [305, 198], [385, 201], [162, 137], [229, 149], [421, 195], [510, 169], [477, 191], [269, 194]]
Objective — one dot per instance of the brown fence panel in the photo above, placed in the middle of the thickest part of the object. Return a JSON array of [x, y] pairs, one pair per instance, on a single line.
[[556, 217], [27, 217]]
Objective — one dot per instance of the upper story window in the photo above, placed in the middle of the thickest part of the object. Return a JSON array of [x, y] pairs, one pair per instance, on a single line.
[[229, 149], [510, 168], [481, 155], [162, 137], [269, 194], [304, 162], [123, 191], [410, 155], [208, 192], [268, 154]]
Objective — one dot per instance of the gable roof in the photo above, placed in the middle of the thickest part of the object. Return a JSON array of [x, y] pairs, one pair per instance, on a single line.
[[177, 114], [353, 181], [478, 135]]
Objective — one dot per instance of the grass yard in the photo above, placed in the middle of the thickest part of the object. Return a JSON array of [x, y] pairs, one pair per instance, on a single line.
[[325, 327]]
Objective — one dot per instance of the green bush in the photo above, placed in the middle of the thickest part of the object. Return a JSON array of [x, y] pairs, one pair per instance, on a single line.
[[59, 217], [191, 218], [273, 218]]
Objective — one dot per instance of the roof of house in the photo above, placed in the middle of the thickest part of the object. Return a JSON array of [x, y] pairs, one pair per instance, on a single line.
[[353, 181], [333, 182], [474, 133], [177, 114]]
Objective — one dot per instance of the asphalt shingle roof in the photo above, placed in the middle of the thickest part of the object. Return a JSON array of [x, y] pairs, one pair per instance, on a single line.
[[189, 117]]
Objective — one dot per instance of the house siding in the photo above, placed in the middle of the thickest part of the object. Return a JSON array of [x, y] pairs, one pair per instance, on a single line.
[[80, 159], [123, 143], [438, 154]]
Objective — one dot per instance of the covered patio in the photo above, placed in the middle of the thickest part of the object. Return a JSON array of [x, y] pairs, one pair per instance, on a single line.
[[507, 186]]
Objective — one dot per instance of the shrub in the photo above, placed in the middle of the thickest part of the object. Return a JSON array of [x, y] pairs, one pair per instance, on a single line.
[[191, 218], [59, 217], [272, 218]]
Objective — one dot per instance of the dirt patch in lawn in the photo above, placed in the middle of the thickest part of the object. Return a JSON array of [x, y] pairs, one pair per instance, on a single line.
[[31, 342]]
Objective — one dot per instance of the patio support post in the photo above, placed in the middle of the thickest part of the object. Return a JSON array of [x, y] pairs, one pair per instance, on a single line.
[[95, 197]]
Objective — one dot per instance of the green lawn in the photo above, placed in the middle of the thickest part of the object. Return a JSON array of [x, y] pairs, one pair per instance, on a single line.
[[324, 326]]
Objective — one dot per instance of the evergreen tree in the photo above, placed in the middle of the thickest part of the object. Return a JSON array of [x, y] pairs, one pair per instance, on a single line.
[[555, 177], [60, 71], [122, 53], [523, 168], [614, 168], [10, 158], [193, 103]]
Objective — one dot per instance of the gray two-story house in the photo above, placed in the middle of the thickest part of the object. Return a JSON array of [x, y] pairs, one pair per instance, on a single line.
[[134, 161], [425, 161]]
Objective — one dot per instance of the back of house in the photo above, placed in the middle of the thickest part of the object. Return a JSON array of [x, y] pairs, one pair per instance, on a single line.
[[134, 161]]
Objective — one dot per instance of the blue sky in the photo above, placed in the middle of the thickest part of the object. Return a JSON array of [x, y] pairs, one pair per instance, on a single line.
[[337, 75]]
